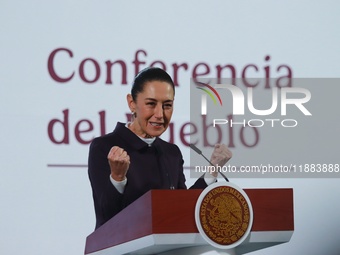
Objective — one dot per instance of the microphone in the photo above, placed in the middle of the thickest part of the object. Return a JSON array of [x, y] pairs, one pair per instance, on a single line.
[[198, 151]]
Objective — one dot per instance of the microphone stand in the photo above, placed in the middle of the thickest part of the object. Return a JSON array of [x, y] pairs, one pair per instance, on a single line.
[[198, 151]]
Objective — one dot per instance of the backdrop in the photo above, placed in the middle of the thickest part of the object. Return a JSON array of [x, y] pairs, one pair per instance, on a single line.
[[65, 70]]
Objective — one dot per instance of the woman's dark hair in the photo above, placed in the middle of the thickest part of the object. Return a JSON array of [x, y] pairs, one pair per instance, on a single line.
[[147, 75]]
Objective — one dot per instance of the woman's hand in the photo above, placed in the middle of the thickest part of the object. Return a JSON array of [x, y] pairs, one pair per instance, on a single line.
[[220, 156], [119, 162]]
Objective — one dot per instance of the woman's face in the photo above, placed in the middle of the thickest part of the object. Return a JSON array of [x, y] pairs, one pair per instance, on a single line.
[[153, 108]]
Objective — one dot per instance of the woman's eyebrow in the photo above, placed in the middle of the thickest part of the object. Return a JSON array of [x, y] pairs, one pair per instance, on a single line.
[[153, 99]]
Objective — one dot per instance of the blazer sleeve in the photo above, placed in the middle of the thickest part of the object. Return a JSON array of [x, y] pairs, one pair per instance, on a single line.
[[107, 199], [199, 184]]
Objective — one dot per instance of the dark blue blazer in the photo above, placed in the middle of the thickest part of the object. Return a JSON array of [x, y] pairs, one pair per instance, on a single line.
[[159, 166]]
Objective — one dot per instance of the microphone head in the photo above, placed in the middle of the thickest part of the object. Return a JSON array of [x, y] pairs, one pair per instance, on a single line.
[[192, 146]]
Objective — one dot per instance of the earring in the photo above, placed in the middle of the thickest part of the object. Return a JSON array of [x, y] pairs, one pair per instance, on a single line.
[[133, 115]]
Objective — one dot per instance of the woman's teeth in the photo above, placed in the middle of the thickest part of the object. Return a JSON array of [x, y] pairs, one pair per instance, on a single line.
[[156, 124]]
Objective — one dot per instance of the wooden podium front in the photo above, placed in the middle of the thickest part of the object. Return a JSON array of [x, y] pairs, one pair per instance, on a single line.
[[163, 220]]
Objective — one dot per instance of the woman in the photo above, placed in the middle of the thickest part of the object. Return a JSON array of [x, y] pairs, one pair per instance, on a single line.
[[132, 160]]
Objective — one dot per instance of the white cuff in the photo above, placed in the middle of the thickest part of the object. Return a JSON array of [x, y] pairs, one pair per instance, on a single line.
[[119, 185], [209, 178]]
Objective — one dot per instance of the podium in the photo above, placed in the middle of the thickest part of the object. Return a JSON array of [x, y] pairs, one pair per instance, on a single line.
[[163, 222]]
